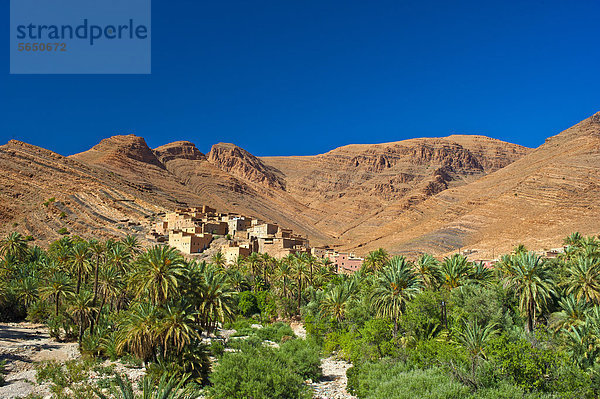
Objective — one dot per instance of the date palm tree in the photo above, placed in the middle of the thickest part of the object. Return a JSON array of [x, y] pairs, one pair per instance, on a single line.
[[455, 271], [475, 338], [218, 260], [376, 260], [336, 299], [139, 331], [177, 327], [80, 262], [396, 284], [300, 272], [284, 274], [583, 279], [572, 313], [82, 310], [97, 252], [131, 244], [57, 287], [428, 269], [530, 279], [158, 274], [216, 299], [14, 245]]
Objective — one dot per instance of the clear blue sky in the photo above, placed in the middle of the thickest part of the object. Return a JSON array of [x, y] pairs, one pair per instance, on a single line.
[[303, 77]]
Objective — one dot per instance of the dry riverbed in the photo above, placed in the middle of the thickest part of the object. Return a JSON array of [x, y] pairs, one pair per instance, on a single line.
[[22, 345]]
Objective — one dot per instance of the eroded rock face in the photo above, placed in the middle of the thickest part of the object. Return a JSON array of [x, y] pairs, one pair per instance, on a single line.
[[118, 149], [241, 163], [178, 150]]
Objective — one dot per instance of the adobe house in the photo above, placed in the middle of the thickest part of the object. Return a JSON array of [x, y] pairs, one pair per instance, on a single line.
[[189, 243]]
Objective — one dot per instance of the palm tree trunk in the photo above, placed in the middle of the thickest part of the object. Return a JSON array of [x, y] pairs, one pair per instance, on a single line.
[[299, 293], [57, 302], [101, 306], [96, 282], [530, 317], [78, 279]]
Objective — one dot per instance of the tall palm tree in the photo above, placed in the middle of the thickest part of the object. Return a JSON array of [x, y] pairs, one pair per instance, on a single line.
[[284, 274], [428, 268], [216, 299], [336, 299], [158, 274], [110, 285], [14, 245], [80, 261], [177, 327], [395, 285], [583, 279], [376, 260], [57, 287], [455, 271], [532, 282], [218, 260], [475, 339], [139, 331], [300, 273], [97, 254], [253, 262], [82, 309]]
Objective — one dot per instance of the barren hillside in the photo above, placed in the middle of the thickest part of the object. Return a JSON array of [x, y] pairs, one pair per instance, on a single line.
[[428, 194]]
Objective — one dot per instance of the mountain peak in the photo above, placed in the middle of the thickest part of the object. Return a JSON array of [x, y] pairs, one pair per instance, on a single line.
[[178, 150], [119, 149], [239, 162]]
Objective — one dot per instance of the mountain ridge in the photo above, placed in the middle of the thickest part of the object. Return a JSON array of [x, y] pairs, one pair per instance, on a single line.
[[410, 196]]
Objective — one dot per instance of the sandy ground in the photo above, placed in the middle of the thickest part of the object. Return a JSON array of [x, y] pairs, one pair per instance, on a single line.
[[21, 346]]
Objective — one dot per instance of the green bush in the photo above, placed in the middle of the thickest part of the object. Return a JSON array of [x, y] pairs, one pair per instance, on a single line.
[[389, 379], [257, 373], [247, 304], [39, 311], [275, 332], [303, 356], [63, 231], [217, 348]]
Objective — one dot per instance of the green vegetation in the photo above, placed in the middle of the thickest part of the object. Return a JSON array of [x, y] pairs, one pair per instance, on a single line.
[[526, 327], [48, 201]]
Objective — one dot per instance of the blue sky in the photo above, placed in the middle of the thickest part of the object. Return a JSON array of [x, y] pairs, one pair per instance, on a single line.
[[303, 77]]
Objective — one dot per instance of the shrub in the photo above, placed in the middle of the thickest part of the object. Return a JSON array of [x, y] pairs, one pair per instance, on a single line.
[[258, 373], [63, 231], [48, 201], [38, 311], [389, 379], [217, 348], [275, 332], [247, 304], [303, 356]]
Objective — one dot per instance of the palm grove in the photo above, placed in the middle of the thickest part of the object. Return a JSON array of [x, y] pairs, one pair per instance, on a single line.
[[527, 327]]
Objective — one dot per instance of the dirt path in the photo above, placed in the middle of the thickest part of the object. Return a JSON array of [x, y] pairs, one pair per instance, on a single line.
[[333, 383], [21, 346]]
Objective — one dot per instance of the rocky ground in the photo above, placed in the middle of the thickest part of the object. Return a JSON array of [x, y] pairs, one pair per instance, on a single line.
[[22, 345], [333, 383]]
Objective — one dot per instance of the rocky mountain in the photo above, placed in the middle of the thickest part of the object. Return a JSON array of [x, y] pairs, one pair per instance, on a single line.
[[427, 194], [537, 200], [240, 163], [353, 185]]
